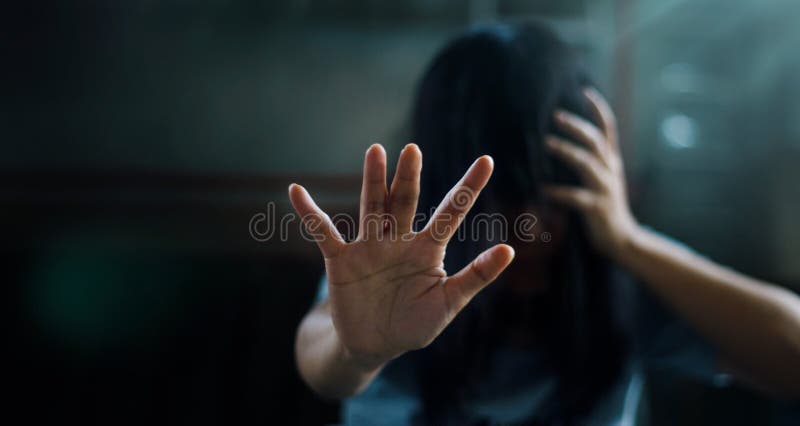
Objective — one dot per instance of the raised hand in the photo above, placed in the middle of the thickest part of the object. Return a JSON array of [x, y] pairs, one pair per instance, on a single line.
[[388, 290]]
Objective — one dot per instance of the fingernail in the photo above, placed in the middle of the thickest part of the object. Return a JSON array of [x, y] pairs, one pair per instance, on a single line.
[[551, 142]]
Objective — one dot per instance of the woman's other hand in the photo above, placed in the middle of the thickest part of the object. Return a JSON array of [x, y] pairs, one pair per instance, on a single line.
[[596, 158]]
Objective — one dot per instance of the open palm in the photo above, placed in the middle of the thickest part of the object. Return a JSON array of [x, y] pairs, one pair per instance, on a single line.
[[388, 290]]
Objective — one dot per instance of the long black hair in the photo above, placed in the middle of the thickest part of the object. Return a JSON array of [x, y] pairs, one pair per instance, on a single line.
[[493, 91]]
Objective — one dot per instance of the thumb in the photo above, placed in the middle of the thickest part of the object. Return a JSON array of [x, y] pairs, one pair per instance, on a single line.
[[484, 269]]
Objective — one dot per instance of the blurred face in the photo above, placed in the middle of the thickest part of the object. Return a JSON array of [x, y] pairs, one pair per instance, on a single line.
[[534, 255], [548, 231]]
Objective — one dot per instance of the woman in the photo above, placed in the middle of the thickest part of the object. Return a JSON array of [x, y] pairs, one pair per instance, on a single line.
[[561, 337]]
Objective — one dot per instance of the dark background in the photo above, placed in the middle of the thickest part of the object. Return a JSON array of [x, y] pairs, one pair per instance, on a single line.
[[140, 137]]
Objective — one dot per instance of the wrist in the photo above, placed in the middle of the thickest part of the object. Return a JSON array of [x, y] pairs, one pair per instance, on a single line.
[[630, 243], [362, 363], [640, 248]]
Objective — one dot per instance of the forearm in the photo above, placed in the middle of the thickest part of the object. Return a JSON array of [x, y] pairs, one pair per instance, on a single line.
[[324, 363], [755, 325]]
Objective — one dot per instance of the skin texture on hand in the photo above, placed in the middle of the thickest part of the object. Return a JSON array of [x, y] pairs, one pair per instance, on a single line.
[[602, 200], [388, 290]]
